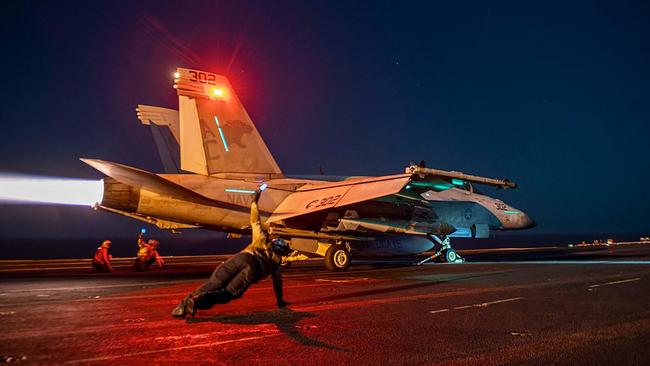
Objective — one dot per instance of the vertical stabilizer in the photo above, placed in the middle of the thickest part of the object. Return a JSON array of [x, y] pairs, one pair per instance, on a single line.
[[216, 134], [166, 134]]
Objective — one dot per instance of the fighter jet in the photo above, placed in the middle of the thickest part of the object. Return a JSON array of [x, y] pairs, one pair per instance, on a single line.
[[215, 161]]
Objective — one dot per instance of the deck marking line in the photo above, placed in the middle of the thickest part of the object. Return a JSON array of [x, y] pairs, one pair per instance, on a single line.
[[137, 284], [615, 282], [344, 280], [140, 284], [554, 262], [438, 311], [107, 358], [481, 305], [497, 301]]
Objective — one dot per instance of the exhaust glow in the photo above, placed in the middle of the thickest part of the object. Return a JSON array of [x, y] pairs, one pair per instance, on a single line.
[[61, 191]]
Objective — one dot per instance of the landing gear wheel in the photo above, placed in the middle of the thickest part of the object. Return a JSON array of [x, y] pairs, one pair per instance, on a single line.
[[337, 258], [451, 256]]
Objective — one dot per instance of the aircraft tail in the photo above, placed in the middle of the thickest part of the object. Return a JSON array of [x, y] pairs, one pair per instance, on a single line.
[[166, 134], [217, 137]]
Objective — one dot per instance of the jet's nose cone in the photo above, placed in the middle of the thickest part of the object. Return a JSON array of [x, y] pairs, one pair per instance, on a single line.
[[516, 220], [527, 222]]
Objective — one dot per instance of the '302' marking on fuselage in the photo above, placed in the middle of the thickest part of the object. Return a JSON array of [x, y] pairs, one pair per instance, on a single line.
[[327, 201]]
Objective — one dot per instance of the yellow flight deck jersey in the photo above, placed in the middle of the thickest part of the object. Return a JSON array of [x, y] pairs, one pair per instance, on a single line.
[[143, 249], [260, 246]]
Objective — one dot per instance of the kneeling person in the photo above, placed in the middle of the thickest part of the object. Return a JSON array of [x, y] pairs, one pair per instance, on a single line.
[[147, 254], [232, 278], [101, 259]]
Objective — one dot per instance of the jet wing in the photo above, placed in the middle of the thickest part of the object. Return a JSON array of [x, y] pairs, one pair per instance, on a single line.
[[315, 197], [146, 180], [441, 180]]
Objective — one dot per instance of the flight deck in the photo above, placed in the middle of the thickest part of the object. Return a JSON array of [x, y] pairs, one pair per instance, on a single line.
[[553, 305]]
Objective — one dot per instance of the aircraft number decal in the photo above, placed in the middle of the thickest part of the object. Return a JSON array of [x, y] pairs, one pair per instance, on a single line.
[[203, 77], [327, 201], [501, 206]]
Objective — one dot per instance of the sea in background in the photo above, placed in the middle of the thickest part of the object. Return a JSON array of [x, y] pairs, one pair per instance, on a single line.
[[216, 243]]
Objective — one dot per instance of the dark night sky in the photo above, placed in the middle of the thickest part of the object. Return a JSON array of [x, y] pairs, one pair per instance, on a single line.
[[553, 95]]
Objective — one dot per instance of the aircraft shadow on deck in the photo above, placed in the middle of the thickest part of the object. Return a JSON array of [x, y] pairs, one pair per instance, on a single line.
[[419, 284], [286, 320]]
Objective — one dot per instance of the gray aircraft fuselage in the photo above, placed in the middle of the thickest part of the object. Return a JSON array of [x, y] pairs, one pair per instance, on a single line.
[[217, 160]]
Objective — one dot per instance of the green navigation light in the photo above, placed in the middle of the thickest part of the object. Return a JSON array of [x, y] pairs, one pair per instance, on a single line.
[[437, 185], [233, 190]]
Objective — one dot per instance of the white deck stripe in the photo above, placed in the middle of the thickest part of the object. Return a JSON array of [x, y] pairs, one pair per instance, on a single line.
[[615, 282], [480, 305], [439, 311]]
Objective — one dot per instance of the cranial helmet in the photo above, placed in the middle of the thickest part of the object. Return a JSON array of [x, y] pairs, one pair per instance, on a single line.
[[280, 247], [106, 243], [153, 242]]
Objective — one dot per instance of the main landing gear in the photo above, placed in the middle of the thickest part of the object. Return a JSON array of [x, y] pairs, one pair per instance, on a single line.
[[337, 255], [445, 254], [337, 258]]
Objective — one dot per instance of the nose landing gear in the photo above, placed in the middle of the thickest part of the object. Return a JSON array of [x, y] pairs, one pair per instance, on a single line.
[[445, 254]]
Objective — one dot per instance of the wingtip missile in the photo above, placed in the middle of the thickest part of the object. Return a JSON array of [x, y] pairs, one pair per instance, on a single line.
[[424, 173]]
